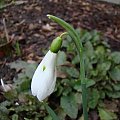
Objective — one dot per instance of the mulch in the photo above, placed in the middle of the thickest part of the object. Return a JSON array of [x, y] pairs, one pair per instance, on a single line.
[[27, 22]]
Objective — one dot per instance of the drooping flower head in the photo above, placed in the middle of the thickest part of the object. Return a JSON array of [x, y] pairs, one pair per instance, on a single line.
[[44, 78]]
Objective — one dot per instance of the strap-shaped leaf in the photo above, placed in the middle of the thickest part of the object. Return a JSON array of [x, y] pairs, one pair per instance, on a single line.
[[51, 112]]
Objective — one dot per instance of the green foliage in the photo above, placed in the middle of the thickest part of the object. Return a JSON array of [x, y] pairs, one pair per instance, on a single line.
[[106, 114], [2, 2], [51, 112], [94, 98], [115, 73], [102, 80], [61, 58], [101, 65], [17, 48], [69, 105], [116, 57]]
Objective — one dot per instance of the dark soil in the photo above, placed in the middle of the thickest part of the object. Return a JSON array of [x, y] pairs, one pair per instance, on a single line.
[[27, 23]]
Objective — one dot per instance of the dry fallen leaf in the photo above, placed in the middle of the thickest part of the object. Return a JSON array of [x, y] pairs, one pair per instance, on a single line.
[[61, 74], [47, 28], [5, 87]]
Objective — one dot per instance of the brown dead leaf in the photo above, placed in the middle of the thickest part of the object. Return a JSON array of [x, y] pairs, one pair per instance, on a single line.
[[37, 35], [61, 74], [118, 36], [111, 105], [32, 26], [68, 64], [47, 28], [38, 8], [22, 98], [5, 87]]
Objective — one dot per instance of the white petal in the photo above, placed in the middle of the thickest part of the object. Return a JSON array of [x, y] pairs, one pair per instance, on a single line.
[[43, 79], [46, 83], [52, 87]]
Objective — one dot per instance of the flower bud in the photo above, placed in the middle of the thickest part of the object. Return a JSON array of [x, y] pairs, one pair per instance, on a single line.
[[56, 45], [44, 78]]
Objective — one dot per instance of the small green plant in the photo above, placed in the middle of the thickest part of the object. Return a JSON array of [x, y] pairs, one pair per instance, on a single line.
[[2, 2], [102, 68], [17, 48]]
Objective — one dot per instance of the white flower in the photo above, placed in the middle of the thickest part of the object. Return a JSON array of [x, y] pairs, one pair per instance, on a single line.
[[44, 78]]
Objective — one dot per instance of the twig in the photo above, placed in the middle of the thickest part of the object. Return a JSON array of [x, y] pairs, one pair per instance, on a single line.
[[5, 28], [13, 3], [6, 5]]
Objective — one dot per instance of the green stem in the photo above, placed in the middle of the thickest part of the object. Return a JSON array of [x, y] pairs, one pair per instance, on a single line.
[[84, 98], [63, 34], [74, 35]]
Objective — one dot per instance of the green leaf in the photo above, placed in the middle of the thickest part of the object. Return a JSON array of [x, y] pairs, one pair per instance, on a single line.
[[100, 50], [59, 90], [103, 67], [77, 86], [2, 3], [116, 86], [113, 94], [102, 94], [51, 112], [116, 57], [27, 68], [61, 58], [88, 65], [108, 87], [76, 60], [69, 105], [115, 73], [67, 91], [78, 97], [106, 114], [88, 48], [61, 113], [4, 111], [24, 85], [48, 118], [10, 95], [71, 47], [3, 116], [73, 72], [95, 37], [67, 41], [85, 35], [94, 97], [14, 117], [89, 82]]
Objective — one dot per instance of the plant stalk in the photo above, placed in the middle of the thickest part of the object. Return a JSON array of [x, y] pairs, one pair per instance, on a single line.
[[76, 39]]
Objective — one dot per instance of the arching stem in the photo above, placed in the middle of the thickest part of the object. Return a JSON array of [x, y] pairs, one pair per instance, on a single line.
[[63, 34], [76, 39]]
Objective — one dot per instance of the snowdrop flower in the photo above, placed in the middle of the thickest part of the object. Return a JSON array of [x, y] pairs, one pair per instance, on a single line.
[[44, 78]]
